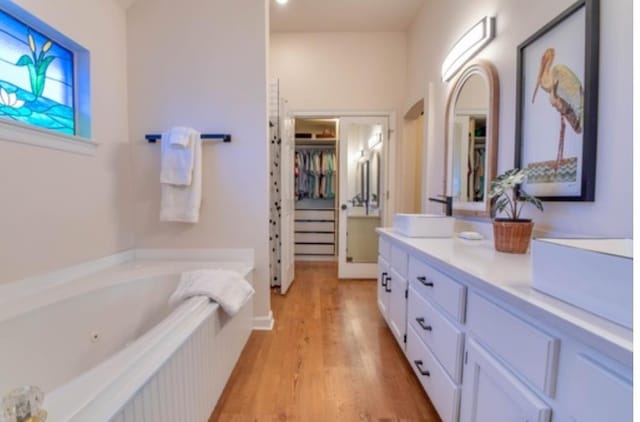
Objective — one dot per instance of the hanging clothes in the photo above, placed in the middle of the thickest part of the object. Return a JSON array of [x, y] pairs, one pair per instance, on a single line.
[[315, 174]]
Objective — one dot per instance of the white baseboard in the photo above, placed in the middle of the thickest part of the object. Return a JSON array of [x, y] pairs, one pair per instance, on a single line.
[[264, 323]]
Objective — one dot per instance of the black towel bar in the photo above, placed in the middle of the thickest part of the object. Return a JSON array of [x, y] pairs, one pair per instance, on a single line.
[[217, 136]]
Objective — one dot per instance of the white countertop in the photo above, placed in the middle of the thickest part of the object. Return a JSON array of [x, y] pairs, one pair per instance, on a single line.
[[508, 278]]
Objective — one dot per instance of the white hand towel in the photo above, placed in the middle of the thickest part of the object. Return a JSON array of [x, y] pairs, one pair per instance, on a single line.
[[177, 156], [227, 288], [182, 203]]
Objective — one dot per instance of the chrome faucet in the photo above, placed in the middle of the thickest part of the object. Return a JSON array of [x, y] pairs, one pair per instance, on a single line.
[[448, 201]]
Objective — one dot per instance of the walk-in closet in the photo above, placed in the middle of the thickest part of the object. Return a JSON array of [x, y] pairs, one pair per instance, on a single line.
[[338, 184], [316, 188]]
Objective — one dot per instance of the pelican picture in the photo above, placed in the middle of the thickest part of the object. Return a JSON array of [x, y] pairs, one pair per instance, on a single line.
[[556, 125], [566, 96]]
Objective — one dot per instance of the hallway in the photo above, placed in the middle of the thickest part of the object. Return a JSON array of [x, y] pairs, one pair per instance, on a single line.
[[330, 357]]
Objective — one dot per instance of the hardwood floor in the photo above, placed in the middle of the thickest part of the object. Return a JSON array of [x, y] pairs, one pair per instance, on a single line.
[[330, 357]]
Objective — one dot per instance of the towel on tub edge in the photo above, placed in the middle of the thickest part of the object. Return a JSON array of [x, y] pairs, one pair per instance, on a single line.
[[228, 288]]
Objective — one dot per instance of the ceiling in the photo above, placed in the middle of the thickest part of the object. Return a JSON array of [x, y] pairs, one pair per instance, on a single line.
[[338, 15], [343, 15]]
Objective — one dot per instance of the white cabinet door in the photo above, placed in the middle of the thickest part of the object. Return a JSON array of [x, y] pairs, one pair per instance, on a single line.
[[491, 393], [383, 281], [609, 396], [398, 307]]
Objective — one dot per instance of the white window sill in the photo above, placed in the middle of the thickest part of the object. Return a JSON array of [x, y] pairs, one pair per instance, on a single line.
[[26, 134]]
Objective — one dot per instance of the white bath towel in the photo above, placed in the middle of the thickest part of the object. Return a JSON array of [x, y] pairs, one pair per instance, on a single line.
[[182, 203], [228, 288], [177, 156]]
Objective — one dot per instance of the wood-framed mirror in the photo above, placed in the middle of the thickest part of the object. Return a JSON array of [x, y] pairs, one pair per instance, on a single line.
[[471, 136]]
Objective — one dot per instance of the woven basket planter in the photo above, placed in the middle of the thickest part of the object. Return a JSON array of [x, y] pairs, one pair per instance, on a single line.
[[512, 236]]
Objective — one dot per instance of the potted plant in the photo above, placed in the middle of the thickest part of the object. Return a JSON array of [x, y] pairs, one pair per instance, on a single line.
[[512, 234]]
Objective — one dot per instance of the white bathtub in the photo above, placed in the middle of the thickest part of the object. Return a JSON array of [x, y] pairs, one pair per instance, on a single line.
[[108, 347]]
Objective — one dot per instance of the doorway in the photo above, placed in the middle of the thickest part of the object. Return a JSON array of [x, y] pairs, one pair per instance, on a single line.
[[411, 157], [340, 177]]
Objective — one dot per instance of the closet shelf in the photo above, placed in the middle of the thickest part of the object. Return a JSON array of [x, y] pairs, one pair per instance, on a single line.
[[316, 141]]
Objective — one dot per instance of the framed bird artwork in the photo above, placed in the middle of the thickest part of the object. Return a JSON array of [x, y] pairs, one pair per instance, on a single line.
[[557, 106]]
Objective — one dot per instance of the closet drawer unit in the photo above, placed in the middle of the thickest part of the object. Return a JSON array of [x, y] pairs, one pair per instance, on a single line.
[[309, 226], [399, 260], [314, 249], [525, 348], [439, 288], [384, 248], [315, 238], [443, 392], [315, 215], [441, 336]]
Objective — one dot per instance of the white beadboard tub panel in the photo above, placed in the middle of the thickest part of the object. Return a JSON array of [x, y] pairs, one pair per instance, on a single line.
[[188, 386]]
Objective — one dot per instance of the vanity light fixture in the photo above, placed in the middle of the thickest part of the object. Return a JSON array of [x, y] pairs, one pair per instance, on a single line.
[[468, 45], [282, 2]]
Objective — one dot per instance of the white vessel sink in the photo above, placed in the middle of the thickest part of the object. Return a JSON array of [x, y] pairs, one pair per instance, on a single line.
[[593, 274], [423, 225]]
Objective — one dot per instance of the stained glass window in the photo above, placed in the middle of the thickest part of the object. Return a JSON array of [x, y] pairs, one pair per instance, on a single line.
[[36, 78]]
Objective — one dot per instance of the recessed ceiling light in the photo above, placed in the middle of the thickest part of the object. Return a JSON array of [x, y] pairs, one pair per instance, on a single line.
[[282, 2]]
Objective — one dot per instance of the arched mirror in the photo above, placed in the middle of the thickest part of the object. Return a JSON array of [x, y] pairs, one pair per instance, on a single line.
[[472, 139]]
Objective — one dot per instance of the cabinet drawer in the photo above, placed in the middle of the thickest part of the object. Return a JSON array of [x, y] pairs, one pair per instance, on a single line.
[[441, 336], [314, 249], [399, 260], [384, 248], [309, 226], [528, 350], [439, 288], [323, 215], [609, 395], [443, 392], [315, 238]]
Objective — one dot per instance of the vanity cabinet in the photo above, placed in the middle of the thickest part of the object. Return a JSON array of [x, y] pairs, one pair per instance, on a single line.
[[479, 350], [493, 393]]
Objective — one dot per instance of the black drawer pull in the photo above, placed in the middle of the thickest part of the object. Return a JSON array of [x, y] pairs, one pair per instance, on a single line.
[[422, 325], [424, 281], [387, 288], [383, 279], [418, 364]]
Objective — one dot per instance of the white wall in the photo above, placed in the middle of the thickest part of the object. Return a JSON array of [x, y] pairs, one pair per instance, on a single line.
[[59, 208], [338, 71], [438, 26], [203, 64]]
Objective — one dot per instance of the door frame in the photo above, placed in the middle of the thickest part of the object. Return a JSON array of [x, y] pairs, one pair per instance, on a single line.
[[389, 149], [389, 152]]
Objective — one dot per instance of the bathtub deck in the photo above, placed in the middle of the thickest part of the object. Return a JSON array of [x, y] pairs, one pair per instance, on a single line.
[[330, 357]]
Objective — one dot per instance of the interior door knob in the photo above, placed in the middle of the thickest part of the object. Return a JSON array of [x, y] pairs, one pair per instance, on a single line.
[[344, 207]]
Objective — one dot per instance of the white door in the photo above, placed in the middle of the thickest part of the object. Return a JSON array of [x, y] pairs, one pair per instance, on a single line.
[[361, 194], [287, 199], [492, 393]]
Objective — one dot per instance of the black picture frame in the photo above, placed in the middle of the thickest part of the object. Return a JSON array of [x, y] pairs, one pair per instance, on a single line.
[[553, 180]]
